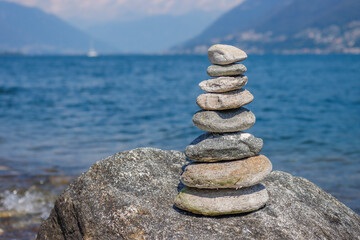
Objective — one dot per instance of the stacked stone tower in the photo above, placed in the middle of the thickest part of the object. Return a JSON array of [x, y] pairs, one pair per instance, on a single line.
[[224, 177]]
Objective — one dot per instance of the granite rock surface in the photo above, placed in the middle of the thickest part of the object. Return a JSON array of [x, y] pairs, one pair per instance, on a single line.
[[130, 196], [213, 147]]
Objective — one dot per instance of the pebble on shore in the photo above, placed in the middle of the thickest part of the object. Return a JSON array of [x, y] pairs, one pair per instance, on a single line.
[[228, 70], [223, 201], [225, 121], [221, 54], [224, 101], [223, 84], [214, 147], [232, 174]]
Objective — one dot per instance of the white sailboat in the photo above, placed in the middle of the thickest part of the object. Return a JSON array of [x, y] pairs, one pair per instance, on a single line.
[[92, 52]]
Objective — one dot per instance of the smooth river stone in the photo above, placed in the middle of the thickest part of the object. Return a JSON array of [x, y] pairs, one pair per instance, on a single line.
[[214, 147], [224, 101], [228, 70], [222, 201], [223, 84], [233, 174], [221, 54], [233, 120]]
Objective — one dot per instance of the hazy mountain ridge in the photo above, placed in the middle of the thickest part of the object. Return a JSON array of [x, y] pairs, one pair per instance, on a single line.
[[284, 26], [152, 34], [257, 26], [30, 30]]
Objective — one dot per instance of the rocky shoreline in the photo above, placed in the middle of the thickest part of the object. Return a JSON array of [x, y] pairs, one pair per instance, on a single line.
[[130, 196]]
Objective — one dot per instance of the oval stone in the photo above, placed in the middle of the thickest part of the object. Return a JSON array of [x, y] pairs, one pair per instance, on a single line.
[[228, 70], [222, 201], [214, 147], [233, 120], [222, 54], [233, 174], [223, 84], [224, 101]]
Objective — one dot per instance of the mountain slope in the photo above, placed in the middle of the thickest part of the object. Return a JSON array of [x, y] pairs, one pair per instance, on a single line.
[[285, 26], [154, 33], [243, 17], [31, 30]]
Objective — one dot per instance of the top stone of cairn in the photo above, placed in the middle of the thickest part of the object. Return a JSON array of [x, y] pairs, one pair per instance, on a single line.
[[221, 54]]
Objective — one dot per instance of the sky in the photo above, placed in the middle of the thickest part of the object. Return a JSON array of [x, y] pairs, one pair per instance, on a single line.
[[109, 10]]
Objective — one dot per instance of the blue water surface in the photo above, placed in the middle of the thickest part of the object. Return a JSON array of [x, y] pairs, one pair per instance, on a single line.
[[69, 112]]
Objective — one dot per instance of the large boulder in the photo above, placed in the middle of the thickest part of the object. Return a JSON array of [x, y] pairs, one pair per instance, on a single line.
[[130, 196]]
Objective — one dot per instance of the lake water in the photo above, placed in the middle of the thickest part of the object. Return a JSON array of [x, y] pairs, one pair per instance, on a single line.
[[59, 115]]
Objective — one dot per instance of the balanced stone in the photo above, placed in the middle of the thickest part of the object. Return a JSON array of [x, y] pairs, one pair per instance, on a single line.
[[228, 70], [225, 54], [223, 84], [232, 174], [222, 201], [233, 120], [223, 101], [213, 147]]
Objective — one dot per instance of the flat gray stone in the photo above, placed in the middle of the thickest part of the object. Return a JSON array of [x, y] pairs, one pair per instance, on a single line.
[[231, 174], [228, 70], [131, 195], [224, 101], [233, 120], [213, 147], [222, 54], [223, 84], [222, 201]]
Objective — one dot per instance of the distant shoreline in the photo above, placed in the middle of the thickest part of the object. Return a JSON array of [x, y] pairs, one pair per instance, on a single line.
[[20, 54], [11, 53]]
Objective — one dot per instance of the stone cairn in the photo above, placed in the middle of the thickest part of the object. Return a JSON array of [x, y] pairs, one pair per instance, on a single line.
[[224, 177]]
